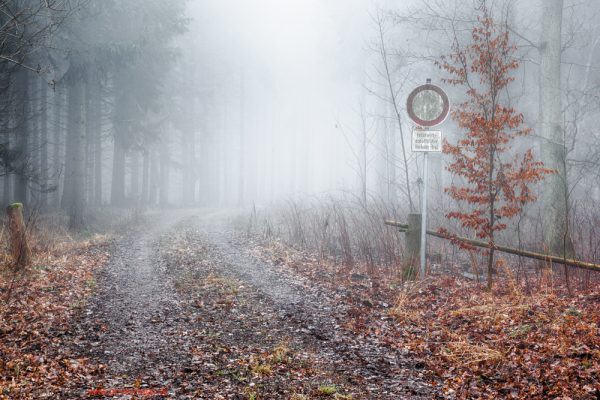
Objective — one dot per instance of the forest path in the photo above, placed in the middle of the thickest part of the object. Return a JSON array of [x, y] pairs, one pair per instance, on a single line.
[[150, 335], [127, 322]]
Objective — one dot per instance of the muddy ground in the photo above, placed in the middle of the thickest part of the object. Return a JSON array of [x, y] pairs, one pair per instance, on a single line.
[[185, 308]]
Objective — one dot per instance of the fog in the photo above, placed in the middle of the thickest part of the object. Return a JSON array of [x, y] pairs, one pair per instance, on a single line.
[[302, 64], [235, 103]]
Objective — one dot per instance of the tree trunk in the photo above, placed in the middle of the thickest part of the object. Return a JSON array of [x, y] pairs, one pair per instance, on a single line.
[[391, 166], [117, 193], [185, 165], [56, 170], [7, 178], [154, 177], [204, 163], [90, 120], [384, 143], [212, 169], [293, 151], [135, 176], [188, 150], [226, 154], [44, 150], [242, 149], [78, 133], [192, 177], [22, 163], [68, 169], [7, 188], [145, 178], [17, 231], [34, 143], [305, 134], [364, 140], [164, 175], [553, 151], [97, 133], [272, 168]]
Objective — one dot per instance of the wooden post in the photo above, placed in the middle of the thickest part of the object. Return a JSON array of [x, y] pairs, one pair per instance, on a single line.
[[412, 250], [17, 232]]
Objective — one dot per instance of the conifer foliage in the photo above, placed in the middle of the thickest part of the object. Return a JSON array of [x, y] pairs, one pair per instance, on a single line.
[[496, 179]]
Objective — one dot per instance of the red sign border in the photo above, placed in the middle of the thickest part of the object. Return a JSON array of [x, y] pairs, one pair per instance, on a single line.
[[439, 119]]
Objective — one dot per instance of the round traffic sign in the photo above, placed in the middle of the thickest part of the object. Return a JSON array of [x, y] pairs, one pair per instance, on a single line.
[[428, 105]]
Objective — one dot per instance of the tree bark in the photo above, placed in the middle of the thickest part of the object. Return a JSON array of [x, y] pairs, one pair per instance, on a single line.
[[293, 151], [7, 188], [364, 140], [7, 178], [135, 176], [164, 175], [17, 231], [226, 155], [117, 193], [22, 163], [90, 120], [392, 193], [44, 150], [56, 170], [34, 143], [204, 194], [154, 177], [553, 150], [383, 153], [185, 165], [68, 169], [78, 133], [242, 149], [145, 177], [97, 133], [192, 178]]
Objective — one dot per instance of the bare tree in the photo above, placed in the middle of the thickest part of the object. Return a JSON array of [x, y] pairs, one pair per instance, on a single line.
[[387, 71]]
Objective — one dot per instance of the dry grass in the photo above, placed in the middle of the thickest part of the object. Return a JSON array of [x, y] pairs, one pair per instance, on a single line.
[[48, 241], [262, 369], [298, 396], [403, 310], [462, 352], [224, 285]]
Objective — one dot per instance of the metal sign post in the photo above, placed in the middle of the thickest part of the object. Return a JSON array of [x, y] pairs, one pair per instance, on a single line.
[[428, 106], [424, 212]]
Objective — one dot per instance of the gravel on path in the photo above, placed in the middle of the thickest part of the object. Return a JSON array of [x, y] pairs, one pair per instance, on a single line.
[[138, 323]]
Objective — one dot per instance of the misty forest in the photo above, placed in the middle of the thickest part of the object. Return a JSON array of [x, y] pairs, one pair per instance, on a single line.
[[300, 199]]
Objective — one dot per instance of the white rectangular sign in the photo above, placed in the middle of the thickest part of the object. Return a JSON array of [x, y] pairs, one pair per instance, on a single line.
[[427, 140]]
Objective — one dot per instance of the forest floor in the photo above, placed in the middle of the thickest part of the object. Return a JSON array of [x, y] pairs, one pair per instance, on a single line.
[[186, 307]]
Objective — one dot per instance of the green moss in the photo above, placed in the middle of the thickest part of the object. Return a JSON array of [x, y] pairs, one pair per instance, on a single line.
[[15, 205]]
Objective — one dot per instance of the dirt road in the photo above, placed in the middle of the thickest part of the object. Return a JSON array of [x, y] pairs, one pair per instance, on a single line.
[[185, 308]]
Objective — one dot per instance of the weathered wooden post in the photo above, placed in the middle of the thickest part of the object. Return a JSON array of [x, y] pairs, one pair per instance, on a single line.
[[17, 232], [412, 248]]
